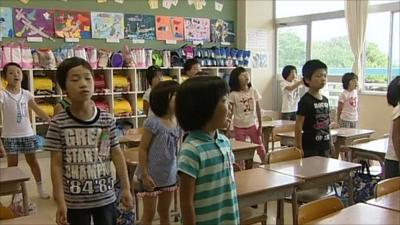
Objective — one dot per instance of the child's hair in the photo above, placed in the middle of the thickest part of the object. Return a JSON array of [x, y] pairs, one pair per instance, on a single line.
[[286, 71], [151, 72], [203, 73], [234, 79], [161, 95], [393, 92], [5, 68], [189, 63], [66, 65], [310, 67], [347, 77], [196, 100]]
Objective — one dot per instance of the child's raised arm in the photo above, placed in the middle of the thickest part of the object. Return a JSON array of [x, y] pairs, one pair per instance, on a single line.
[[32, 104], [186, 195]]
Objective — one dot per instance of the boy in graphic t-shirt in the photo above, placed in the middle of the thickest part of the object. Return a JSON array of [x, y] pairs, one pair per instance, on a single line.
[[312, 121]]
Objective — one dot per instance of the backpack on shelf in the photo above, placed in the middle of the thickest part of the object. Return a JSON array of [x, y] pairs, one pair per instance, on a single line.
[[157, 58], [99, 83], [122, 107], [104, 56], [43, 84], [120, 82], [102, 104]]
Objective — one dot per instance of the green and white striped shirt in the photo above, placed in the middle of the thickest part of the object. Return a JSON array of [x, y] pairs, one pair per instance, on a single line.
[[209, 161]]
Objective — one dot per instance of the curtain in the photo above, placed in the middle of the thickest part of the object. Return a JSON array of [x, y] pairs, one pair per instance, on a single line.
[[356, 12]]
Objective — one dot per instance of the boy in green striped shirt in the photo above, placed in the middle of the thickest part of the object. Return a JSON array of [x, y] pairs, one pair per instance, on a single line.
[[205, 163]]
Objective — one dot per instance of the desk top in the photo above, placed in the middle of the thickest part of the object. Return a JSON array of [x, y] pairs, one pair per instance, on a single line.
[[277, 123], [378, 146], [131, 157], [290, 134], [352, 132], [257, 180], [12, 174], [311, 167], [31, 220], [388, 201], [135, 138], [241, 145], [360, 214]]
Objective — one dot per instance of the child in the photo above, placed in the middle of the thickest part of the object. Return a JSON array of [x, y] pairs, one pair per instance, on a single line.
[[245, 109], [207, 185], [393, 153], [290, 92], [83, 141], [17, 135], [154, 75], [312, 132], [191, 68], [347, 112], [157, 170]]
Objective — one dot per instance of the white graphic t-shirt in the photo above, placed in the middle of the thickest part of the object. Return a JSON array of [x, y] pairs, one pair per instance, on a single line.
[[244, 107], [289, 98], [86, 148], [350, 105], [391, 154]]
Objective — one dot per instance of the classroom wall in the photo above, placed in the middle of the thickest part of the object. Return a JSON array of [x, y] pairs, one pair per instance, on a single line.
[[129, 6], [258, 14]]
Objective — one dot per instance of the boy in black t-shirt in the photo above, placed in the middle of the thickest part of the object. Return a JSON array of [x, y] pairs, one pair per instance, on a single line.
[[312, 121]]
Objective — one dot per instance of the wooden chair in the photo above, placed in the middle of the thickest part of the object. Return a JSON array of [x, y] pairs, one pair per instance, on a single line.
[[318, 208], [284, 154], [387, 186]]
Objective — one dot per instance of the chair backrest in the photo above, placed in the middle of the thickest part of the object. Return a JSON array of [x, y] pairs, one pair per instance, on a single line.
[[318, 208], [285, 154], [387, 186]]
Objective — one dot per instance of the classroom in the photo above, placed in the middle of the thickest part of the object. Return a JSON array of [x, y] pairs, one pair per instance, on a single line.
[[199, 112]]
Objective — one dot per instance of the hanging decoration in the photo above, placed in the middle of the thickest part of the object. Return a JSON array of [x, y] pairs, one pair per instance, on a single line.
[[197, 29], [71, 24], [169, 28], [153, 4], [140, 27], [107, 25], [33, 23], [219, 5], [6, 23]]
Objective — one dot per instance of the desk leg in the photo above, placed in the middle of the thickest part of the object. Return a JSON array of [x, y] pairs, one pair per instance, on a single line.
[[294, 207], [24, 197], [339, 142], [279, 212], [267, 133], [351, 197]]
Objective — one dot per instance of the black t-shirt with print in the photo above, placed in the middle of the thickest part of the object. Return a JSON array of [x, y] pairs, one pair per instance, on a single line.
[[316, 135]]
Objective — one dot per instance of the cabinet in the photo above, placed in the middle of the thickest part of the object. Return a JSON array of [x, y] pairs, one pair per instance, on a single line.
[[110, 95]]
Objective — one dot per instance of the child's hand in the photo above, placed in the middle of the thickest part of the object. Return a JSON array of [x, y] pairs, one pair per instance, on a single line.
[[127, 200], [61, 215], [149, 183], [2, 151]]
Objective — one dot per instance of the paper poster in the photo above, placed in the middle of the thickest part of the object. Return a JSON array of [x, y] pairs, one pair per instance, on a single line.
[[257, 39], [197, 29], [6, 25], [168, 3], [199, 4], [169, 28], [72, 24], [107, 25], [219, 5], [33, 23], [140, 27], [153, 4], [259, 59], [222, 31]]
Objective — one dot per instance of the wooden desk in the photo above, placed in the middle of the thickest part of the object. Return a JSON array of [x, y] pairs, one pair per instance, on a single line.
[[288, 138], [133, 139], [360, 214], [12, 181], [317, 171], [30, 220], [346, 136], [244, 151], [257, 186], [375, 150], [269, 129], [389, 201]]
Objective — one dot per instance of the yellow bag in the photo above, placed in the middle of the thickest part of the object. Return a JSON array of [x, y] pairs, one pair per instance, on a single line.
[[120, 81], [42, 83], [139, 103], [47, 108], [3, 84], [122, 106]]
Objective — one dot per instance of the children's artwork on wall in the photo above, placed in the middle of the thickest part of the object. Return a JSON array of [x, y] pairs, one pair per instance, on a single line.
[[6, 26], [222, 31], [72, 24], [169, 28], [140, 27], [107, 25], [153, 4], [33, 23], [197, 29]]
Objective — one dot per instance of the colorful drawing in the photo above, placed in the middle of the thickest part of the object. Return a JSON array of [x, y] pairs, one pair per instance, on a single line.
[[197, 29], [6, 26], [140, 27], [107, 25], [169, 28], [70, 24], [222, 31], [33, 23]]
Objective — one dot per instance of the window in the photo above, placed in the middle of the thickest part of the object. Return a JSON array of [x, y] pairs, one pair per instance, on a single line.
[[396, 46], [379, 2], [377, 52], [289, 8], [292, 47], [331, 45]]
